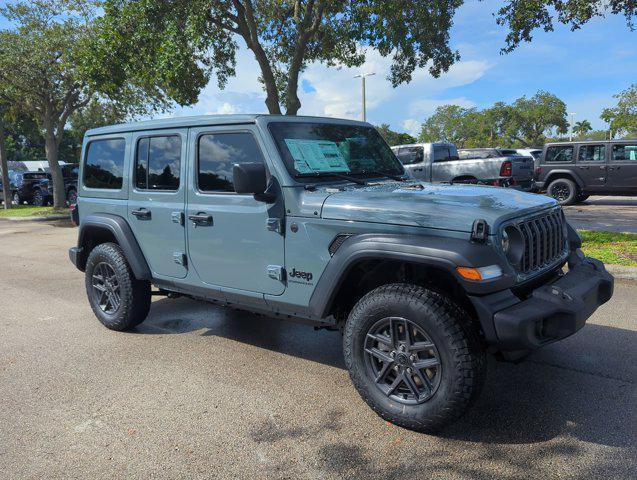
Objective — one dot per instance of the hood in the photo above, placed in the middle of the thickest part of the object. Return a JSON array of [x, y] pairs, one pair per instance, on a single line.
[[449, 207]]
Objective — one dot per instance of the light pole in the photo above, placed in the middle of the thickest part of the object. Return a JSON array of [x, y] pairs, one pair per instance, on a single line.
[[572, 114], [362, 77]]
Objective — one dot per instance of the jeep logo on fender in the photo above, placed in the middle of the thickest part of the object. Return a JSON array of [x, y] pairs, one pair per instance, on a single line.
[[298, 274]]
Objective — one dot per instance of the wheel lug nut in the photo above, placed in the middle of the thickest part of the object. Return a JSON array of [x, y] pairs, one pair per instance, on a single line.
[[409, 370]]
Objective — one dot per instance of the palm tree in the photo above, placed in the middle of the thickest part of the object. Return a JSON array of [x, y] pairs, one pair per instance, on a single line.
[[582, 128]]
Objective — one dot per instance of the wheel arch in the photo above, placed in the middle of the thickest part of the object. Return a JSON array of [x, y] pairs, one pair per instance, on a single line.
[[568, 174], [364, 262], [102, 228]]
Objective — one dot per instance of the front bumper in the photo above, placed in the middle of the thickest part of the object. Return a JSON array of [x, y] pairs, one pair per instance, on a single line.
[[548, 313]]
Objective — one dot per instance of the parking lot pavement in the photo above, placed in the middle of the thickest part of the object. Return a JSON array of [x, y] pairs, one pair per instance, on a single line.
[[613, 214], [202, 392]]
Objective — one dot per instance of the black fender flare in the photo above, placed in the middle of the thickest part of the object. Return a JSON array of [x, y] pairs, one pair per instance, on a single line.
[[120, 229], [444, 253], [561, 173]]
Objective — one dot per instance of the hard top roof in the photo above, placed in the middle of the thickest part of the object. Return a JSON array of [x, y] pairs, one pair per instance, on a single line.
[[207, 120]]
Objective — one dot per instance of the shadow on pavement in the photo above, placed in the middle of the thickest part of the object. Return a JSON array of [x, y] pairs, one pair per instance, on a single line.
[[580, 387]]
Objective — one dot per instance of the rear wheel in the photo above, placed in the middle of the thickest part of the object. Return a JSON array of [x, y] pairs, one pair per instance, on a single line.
[[38, 199], [117, 298], [414, 356], [563, 190]]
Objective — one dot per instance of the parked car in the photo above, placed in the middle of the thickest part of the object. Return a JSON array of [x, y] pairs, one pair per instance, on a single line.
[[315, 219], [536, 153], [69, 173], [30, 187], [442, 162], [571, 171]]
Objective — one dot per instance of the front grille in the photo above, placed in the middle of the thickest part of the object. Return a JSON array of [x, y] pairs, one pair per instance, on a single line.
[[544, 241]]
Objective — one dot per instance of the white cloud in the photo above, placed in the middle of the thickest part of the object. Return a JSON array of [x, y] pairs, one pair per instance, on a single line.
[[412, 126], [336, 93]]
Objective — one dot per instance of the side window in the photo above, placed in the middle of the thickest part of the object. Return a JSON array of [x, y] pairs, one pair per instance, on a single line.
[[104, 163], [410, 155], [625, 152], [591, 153], [217, 154], [158, 162], [559, 153], [441, 153]]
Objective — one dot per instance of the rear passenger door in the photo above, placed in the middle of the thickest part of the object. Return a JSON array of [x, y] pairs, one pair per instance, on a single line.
[[156, 199], [622, 168], [591, 165]]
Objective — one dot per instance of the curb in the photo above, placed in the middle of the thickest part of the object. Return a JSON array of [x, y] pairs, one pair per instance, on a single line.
[[621, 272], [36, 219]]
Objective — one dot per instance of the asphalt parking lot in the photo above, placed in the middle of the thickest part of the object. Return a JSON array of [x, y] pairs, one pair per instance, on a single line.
[[202, 392], [613, 214]]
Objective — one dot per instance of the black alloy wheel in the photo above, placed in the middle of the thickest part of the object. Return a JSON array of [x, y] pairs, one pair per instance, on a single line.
[[106, 290], [402, 360]]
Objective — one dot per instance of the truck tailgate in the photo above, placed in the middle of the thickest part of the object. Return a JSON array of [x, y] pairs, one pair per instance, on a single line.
[[522, 167]]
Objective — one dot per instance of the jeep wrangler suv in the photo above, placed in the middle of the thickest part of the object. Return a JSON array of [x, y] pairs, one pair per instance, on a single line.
[[315, 219]]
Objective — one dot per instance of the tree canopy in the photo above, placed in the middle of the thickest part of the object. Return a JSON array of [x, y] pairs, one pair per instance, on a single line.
[[622, 118], [526, 122], [172, 47], [394, 138]]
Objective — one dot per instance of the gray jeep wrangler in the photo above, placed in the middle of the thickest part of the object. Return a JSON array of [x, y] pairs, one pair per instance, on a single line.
[[315, 219]]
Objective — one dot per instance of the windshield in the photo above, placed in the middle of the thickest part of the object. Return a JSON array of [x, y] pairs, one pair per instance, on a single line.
[[328, 148]]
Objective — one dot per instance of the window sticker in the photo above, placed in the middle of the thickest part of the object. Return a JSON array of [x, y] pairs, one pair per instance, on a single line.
[[316, 156]]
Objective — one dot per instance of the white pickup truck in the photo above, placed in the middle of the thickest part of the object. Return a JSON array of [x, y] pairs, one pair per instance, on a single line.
[[441, 162]]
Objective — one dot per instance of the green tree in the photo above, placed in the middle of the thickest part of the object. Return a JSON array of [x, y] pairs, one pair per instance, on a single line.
[[394, 138], [522, 17], [582, 127], [448, 123], [41, 73], [4, 169], [531, 119], [173, 47], [622, 118]]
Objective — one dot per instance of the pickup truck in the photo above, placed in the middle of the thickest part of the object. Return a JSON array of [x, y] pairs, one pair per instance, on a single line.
[[441, 162]]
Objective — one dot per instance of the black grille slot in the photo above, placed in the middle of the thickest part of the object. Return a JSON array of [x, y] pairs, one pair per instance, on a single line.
[[544, 241]]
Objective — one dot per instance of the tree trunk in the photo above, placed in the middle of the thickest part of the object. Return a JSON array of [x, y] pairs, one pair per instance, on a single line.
[[5, 171], [51, 148]]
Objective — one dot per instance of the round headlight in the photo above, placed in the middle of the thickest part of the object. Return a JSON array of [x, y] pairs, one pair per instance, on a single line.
[[504, 241], [515, 244]]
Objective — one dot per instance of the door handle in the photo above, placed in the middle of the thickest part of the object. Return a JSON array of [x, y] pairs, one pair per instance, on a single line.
[[602, 167], [201, 219], [417, 169], [582, 167], [141, 214], [612, 168]]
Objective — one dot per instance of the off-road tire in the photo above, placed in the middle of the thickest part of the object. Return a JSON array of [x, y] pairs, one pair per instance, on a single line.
[[462, 357], [134, 294], [563, 190], [71, 197], [38, 199]]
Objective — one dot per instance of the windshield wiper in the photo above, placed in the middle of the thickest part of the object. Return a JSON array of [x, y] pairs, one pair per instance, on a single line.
[[331, 174], [400, 178]]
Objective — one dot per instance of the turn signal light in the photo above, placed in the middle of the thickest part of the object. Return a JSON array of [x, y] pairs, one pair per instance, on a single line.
[[479, 274]]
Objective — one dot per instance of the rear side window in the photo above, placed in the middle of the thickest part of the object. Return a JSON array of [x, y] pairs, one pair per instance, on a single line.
[[158, 162], [591, 153], [559, 153], [409, 155], [625, 152], [104, 163], [217, 154]]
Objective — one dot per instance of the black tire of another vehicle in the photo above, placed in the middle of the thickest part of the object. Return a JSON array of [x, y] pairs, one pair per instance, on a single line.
[[563, 190], [134, 295], [462, 359], [38, 198], [71, 197]]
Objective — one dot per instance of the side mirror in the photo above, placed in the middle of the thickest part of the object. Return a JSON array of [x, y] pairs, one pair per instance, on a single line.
[[249, 178]]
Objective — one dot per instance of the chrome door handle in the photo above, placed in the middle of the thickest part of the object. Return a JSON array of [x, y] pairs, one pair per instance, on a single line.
[[201, 220], [141, 214]]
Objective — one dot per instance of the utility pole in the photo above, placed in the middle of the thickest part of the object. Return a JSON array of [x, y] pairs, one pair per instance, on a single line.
[[362, 77], [572, 114]]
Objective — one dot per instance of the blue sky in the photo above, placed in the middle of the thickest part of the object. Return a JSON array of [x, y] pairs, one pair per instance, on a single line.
[[584, 68]]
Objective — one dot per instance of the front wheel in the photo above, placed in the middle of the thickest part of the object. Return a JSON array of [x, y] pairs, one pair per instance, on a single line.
[[414, 356], [38, 198], [117, 298]]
